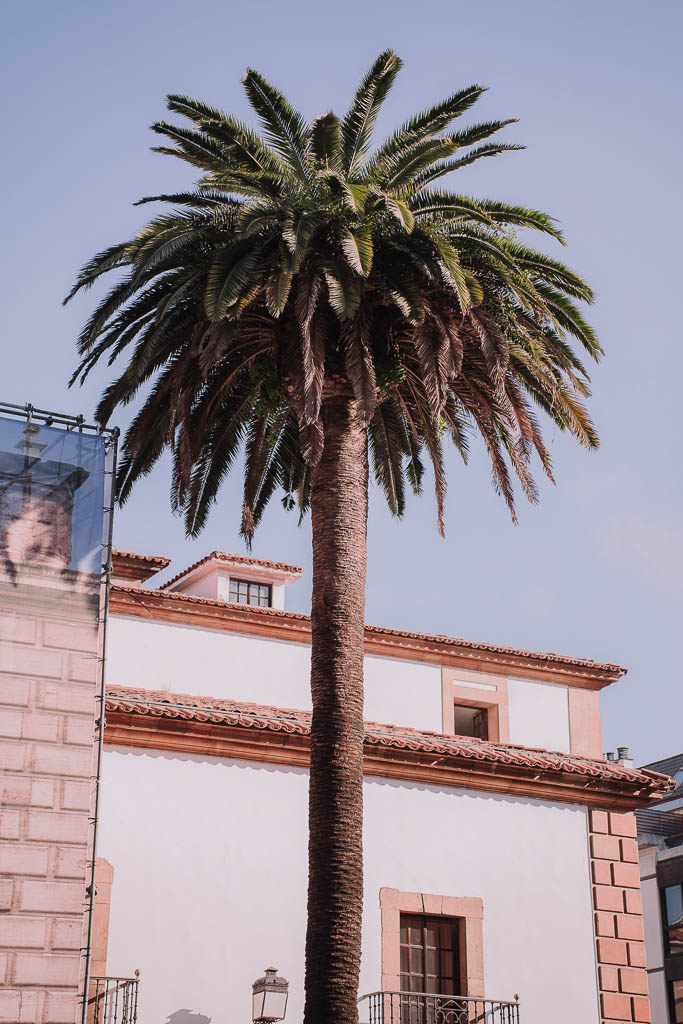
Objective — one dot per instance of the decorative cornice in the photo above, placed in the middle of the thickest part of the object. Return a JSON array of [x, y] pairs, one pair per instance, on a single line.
[[208, 727], [271, 623]]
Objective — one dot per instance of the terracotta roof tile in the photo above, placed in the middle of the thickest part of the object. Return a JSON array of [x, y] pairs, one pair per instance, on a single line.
[[161, 560], [161, 703]]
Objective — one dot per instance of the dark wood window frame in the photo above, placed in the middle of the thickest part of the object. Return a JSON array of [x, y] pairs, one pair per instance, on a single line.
[[430, 950], [251, 592]]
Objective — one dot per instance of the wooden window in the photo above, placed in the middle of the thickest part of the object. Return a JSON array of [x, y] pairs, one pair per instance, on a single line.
[[430, 954], [471, 721], [247, 592]]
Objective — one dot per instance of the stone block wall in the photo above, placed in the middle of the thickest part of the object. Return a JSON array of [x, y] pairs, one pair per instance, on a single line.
[[618, 910], [48, 676]]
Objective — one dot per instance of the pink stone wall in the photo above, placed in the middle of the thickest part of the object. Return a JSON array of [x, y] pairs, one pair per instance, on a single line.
[[618, 917], [48, 674]]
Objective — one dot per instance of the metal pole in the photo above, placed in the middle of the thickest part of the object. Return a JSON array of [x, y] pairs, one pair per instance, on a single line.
[[100, 726]]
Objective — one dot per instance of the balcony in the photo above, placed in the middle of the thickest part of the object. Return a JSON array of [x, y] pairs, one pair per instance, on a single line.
[[431, 1008], [113, 1000]]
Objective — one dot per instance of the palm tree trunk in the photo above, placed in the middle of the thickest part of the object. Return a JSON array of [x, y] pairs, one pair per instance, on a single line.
[[339, 504]]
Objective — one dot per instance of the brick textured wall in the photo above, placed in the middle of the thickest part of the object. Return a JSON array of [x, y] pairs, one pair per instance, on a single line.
[[48, 674], [618, 909]]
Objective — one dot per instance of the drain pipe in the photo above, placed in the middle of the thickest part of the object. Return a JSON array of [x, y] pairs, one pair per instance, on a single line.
[[99, 722]]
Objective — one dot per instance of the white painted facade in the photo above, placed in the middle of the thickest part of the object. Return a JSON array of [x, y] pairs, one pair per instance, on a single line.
[[217, 663], [210, 854], [539, 714], [222, 885]]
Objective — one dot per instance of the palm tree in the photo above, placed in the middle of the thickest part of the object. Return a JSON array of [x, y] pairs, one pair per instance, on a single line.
[[322, 307]]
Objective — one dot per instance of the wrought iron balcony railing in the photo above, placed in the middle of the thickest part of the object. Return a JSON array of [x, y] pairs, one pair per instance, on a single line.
[[432, 1008], [113, 1000]]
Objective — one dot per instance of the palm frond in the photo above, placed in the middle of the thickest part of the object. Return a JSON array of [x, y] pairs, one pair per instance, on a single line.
[[359, 121], [284, 126]]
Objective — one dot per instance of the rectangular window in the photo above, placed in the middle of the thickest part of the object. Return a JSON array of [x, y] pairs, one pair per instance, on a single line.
[[247, 592], [471, 721], [673, 919], [430, 954]]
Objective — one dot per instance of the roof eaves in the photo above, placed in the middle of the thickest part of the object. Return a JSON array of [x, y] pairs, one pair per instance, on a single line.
[[232, 713]]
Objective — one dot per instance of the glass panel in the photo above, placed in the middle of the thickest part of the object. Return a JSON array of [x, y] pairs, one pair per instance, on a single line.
[[431, 932], [673, 902], [416, 961], [447, 935], [432, 961], [404, 932], [52, 497], [405, 960]]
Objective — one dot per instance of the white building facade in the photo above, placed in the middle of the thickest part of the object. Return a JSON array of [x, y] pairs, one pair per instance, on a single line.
[[491, 820]]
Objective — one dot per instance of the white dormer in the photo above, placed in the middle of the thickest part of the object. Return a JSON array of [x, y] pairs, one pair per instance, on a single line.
[[224, 577]]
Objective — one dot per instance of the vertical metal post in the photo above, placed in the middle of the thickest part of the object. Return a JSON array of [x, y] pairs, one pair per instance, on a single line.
[[104, 612]]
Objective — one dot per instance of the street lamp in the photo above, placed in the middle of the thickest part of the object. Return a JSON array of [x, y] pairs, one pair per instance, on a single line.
[[269, 1001]]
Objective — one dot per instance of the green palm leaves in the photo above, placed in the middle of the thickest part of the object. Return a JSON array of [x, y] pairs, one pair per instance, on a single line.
[[302, 261]]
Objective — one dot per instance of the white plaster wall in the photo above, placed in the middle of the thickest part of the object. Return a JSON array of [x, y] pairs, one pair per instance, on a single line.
[[208, 662], [539, 714], [208, 890], [215, 663], [654, 949], [403, 692], [652, 922]]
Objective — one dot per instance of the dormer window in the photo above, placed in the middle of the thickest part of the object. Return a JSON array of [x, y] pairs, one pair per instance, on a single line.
[[248, 592], [238, 579]]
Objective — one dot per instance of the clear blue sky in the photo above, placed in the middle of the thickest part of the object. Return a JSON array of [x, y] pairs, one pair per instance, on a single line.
[[595, 570]]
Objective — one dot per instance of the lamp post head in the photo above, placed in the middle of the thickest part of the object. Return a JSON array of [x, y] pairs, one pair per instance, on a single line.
[[269, 999]]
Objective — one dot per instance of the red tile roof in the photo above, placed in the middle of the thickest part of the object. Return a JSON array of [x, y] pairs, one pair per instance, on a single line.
[[126, 565], [223, 556], [186, 707], [161, 560]]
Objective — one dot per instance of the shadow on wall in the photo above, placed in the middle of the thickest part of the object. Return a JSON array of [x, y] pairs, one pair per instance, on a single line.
[[187, 1017]]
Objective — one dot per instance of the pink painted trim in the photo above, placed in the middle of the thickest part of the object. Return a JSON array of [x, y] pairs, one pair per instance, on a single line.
[[470, 910], [585, 730], [104, 877], [495, 701]]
